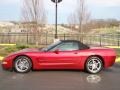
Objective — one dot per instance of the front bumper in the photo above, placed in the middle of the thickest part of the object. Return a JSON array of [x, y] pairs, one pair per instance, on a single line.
[[6, 65]]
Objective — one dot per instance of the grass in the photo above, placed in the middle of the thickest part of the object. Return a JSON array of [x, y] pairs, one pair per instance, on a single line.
[[118, 53], [106, 30], [117, 48]]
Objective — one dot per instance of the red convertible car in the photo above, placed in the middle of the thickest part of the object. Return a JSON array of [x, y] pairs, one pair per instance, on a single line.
[[66, 54]]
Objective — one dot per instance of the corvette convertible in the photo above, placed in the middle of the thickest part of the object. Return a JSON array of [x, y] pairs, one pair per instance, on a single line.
[[62, 55]]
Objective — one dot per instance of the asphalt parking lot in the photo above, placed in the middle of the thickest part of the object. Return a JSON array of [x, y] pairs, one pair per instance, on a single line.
[[108, 79]]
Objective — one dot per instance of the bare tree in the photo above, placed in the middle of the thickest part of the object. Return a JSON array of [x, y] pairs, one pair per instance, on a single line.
[[72, 21], [33, 14], [81, 16]]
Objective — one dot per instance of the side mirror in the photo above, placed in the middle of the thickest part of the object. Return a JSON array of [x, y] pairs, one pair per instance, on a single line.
[[57, 51]]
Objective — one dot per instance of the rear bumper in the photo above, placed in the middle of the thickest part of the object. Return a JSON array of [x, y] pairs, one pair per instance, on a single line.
[[110, 61]]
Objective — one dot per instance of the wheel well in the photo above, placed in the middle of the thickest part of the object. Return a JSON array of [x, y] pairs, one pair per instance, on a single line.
[[98, 57], [22, 55]]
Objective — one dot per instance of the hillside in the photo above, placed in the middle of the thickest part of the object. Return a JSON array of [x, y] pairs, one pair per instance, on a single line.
[[114, 30]]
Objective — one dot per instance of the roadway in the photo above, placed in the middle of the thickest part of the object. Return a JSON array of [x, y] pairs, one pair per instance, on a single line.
[[108, 79]]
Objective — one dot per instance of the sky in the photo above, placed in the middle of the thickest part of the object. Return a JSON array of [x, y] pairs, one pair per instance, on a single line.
[[10, 10]]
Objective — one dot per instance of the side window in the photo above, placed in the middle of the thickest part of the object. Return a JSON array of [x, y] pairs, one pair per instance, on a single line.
[[67, 46]]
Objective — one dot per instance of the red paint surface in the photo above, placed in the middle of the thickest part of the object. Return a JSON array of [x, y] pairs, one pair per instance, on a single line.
[[61, 60]]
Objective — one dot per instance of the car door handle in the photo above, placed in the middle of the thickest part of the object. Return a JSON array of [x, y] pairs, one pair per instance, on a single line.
[[75, 53]]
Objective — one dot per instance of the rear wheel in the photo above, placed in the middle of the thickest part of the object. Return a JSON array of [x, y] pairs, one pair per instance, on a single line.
[[22, 64], [94, 65]]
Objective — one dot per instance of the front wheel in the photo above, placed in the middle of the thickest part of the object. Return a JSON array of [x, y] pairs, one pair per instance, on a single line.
[[22, 64], [94, 65]]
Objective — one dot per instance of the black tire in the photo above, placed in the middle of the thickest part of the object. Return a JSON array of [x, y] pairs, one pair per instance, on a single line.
[[22, 64], [94, 65]]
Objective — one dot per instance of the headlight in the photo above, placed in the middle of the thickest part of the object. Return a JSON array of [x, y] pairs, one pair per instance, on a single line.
[[4, 62]]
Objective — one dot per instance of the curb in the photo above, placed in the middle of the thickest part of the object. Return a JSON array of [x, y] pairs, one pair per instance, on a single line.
[[115, 47], [1, 58], [117, 60], [7, 44]]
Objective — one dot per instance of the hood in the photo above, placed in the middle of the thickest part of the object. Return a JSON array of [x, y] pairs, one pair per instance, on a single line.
[[25, 50], [28, 50]]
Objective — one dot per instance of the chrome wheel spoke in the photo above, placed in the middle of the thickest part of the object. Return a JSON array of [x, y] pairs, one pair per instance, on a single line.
[[22, 65], [94, 65]]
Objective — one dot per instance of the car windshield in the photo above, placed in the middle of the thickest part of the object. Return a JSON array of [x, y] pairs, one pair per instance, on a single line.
[[50, 46]]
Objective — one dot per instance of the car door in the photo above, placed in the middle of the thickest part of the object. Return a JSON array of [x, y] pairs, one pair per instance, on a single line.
[[63, 56]]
